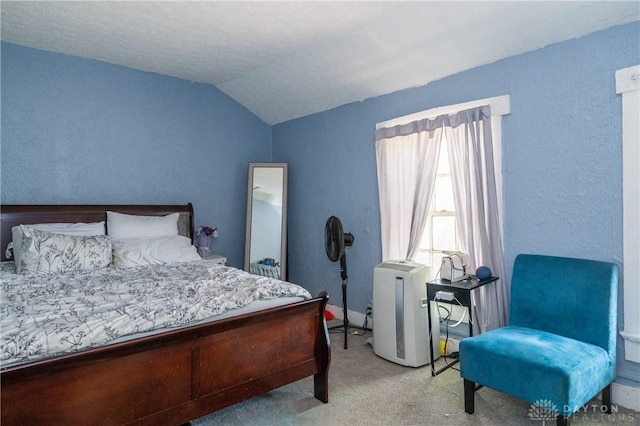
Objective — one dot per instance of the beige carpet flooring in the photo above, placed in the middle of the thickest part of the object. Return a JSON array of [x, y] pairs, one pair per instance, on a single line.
[[365, 389]]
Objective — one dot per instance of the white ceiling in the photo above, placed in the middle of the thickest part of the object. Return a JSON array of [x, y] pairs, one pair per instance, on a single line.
[[284, 60]]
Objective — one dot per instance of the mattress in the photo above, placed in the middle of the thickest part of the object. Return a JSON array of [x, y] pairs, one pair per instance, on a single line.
[[45, 315]]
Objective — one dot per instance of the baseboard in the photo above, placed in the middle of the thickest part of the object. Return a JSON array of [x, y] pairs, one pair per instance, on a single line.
[[355, 318], [626, 396]]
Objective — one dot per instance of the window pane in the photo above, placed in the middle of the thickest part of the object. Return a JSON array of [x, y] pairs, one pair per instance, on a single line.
[[443, 194], [444, 233], [437, 261], [440, 231], [423, 257]]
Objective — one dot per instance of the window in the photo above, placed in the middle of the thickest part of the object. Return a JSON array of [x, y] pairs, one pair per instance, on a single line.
[[441, 233], [428, 253]]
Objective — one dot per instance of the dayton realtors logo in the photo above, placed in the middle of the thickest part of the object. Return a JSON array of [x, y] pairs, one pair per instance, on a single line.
[[544, 409]]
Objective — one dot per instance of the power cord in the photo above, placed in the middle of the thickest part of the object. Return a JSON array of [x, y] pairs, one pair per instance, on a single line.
[[453, 355], [446, 328]]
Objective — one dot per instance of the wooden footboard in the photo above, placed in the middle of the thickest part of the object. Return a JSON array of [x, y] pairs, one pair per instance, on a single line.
[[176, 376]]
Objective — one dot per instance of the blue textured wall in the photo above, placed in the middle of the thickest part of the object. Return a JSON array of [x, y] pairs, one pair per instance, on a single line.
[[82, 131], [561, 160]]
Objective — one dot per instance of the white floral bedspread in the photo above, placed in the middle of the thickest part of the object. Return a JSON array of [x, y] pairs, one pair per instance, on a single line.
[[43, 315]]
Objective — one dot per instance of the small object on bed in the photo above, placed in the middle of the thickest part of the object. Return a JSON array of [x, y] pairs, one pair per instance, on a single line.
[[123, 226], [131, 252], [49, 253], [75, 229]]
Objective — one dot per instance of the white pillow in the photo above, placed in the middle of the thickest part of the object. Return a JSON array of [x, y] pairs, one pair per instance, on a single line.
[[124, 226], [57, 253], [132, 252], [78, 229]]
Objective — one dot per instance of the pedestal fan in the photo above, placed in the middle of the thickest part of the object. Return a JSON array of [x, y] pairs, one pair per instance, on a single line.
[[335, 240]]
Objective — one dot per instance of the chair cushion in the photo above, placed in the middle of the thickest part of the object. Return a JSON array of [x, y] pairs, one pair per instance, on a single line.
[[537, 366]]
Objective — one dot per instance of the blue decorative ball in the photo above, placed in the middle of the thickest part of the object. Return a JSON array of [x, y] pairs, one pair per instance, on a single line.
[[483, 273]]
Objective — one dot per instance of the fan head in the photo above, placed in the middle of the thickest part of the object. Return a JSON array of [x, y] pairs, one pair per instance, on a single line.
[[335, 239]]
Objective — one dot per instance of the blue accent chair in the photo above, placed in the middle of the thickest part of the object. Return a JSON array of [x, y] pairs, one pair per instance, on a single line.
[[559, 349]]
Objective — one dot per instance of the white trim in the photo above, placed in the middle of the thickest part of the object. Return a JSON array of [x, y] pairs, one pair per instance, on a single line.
[[628, 84], [626, 396], [628, 79], [496, 139], [500, 105]]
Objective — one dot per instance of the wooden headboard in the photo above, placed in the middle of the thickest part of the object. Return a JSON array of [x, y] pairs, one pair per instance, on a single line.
[[13, 215]]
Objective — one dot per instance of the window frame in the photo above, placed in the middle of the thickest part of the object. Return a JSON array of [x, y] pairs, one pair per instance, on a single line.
[[628, 85]]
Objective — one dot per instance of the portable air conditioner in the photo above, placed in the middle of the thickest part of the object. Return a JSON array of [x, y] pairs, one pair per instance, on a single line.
[[400, 325]]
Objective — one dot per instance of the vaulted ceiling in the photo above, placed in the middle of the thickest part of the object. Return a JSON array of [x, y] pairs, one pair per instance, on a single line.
[[284, 60]]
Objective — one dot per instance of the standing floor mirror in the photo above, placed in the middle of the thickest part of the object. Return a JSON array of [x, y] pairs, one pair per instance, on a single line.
[[266, 244]]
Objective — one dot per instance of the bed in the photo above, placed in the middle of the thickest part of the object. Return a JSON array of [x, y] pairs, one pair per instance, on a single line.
[[168, 377]]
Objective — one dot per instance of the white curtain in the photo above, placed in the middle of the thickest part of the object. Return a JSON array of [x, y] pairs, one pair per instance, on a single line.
[[469, 143], [407, 158]]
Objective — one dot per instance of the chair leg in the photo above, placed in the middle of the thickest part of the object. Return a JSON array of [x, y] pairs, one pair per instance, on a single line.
[[469, 396], [606, 398], [563, 421]]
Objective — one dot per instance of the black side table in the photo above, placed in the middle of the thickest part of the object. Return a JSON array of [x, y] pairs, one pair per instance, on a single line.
[[462, 293]]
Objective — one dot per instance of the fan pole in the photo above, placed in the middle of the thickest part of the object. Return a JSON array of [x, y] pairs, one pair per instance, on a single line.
[[345, 318], [345, 321]]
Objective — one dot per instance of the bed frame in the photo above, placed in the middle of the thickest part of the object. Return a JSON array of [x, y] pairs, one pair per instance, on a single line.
[[168, 378]]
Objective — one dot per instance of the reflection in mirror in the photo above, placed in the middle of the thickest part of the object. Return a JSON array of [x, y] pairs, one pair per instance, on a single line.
[[266, 244]]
